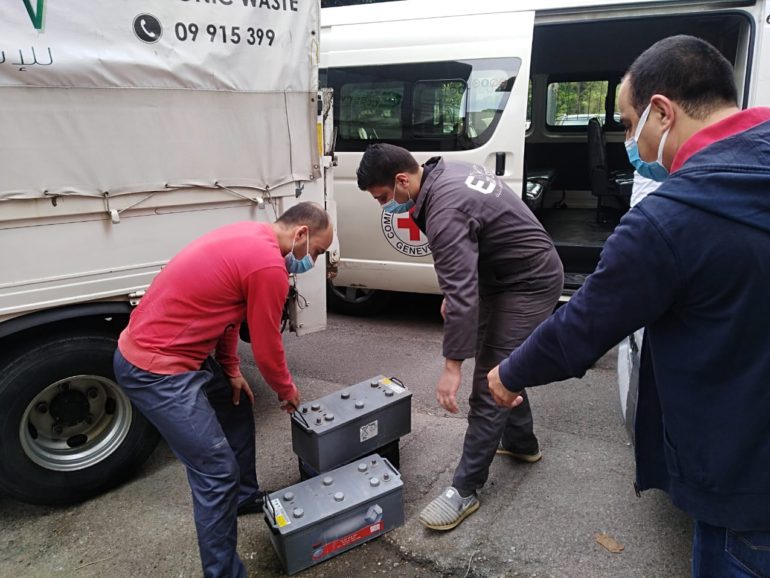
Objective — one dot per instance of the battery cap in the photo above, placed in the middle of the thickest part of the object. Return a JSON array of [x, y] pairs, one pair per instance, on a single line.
[[328, 481], [298, 512], [374, 482], [359, 404], [388, 393], [362, 467], [339, 496], [315, 406], [345, 395], [374, 383], [329, 417], [288, 496]]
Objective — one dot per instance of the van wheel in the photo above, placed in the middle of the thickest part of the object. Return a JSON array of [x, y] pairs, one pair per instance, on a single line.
[[67, 430], [356, 301]]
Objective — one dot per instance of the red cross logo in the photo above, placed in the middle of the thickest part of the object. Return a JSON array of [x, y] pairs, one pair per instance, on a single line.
[[408, 223]]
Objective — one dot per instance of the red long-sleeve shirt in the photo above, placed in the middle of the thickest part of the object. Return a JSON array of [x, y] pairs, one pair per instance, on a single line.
[[197, 302]]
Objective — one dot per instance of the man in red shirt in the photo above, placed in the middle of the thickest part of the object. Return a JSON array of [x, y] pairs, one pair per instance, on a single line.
[[194, 307]]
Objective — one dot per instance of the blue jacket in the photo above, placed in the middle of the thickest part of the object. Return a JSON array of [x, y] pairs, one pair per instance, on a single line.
[[691, 262]]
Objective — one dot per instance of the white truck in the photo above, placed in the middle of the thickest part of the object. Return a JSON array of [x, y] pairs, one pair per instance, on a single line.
[[127, 129]]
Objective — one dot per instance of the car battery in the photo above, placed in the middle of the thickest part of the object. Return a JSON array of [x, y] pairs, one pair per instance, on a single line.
[[319, 518], [350, 423], [389, 451]]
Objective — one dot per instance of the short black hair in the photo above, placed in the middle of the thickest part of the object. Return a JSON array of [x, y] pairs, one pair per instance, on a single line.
[[381, 163], [306, 213], [686, 69]]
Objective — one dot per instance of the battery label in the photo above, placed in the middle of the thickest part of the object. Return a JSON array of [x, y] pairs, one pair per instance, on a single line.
[[368, 431], [345, 541], [281, 519], [393, 386]]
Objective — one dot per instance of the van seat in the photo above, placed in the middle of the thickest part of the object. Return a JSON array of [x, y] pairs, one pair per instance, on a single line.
[[537, 185]]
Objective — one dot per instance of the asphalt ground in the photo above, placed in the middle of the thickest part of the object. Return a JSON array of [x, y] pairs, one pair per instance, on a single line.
[[535, 520]]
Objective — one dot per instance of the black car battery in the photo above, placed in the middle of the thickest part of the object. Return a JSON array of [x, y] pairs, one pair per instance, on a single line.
[[350, 423], [319, 518]]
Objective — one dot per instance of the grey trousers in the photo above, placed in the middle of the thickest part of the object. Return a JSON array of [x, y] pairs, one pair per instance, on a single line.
[[214, 439], [505, 321]]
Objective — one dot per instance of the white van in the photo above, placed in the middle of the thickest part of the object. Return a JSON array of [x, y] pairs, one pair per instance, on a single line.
[[512, 86]]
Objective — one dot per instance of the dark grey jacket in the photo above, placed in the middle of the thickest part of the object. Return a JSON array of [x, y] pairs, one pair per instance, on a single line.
[[484, 240]]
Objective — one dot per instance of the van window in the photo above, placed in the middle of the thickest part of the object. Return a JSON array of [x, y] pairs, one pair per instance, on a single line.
[[426, 106], [571, 104], [438, 107]]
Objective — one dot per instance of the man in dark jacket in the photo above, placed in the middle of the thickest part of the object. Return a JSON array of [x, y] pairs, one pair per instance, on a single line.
[[500, 276], [691, 262]]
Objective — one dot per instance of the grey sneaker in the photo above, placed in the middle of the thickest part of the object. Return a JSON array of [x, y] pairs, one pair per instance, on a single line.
[[448, 510], [529, 457]]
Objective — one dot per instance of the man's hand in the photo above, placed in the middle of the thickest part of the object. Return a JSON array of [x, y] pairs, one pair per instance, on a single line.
[[449, 385], [290, 405], [239, 384], [501, 394]]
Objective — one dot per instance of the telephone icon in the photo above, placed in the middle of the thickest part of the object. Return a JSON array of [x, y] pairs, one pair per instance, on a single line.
[[147, 28]]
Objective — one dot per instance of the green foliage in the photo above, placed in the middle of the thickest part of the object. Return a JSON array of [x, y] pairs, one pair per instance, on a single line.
[[571, 99]]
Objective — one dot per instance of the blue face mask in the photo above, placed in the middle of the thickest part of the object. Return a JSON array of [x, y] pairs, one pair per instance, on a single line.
[[393, 206], [294, 265], [654, 170]]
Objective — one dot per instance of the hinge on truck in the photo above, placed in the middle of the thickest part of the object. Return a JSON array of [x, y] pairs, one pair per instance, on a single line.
[[135, 297]]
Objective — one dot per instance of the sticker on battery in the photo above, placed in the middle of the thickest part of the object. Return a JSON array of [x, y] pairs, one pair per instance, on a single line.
[[393, 386], [368, 431], [348, 540], [281, 519]]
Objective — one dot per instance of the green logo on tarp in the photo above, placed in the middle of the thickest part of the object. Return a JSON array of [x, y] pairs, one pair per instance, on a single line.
[[36, 15]]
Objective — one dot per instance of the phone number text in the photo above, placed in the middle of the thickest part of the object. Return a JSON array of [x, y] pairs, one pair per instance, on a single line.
[[192, 32]]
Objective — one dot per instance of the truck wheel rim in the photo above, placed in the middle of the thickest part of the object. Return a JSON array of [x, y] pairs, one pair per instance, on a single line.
[[75, 423]]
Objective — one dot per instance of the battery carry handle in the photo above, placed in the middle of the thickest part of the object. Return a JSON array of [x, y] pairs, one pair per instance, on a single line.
[[298, 416], [267, 506], [398, 382]]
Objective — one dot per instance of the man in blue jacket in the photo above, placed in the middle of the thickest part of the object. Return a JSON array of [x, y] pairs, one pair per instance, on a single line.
[[691, 262]]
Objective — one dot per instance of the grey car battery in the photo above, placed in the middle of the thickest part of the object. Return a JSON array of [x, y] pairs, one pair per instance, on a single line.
[[326, 515], [352, 422]]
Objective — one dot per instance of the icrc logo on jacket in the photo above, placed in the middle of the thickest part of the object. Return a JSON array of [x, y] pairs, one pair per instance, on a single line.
[[404, 235]]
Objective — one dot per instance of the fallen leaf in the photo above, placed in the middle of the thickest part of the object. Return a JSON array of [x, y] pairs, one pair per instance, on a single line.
[[609, 543]]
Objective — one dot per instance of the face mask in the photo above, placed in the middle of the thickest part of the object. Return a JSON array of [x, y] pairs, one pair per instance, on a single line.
[[294, 265], [654, 170], [394, 206]]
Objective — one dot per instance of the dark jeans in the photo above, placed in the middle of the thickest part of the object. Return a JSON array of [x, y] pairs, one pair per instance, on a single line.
[[505, 321], [724, 553], [214, 439]]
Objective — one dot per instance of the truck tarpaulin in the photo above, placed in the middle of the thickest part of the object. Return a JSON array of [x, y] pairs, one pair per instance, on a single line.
[[148, 87]]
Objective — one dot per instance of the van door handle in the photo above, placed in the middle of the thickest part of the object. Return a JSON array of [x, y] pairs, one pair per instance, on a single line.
[[499, 164]]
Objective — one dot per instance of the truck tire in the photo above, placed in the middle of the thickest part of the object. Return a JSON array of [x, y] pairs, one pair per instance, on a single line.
[[67, 431], [356, 301]]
